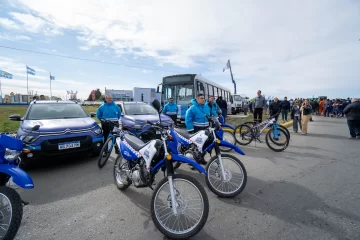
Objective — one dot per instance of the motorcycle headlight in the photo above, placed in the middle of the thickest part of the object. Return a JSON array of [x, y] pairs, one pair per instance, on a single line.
[[28, 139], [97, 131], [11, 155]]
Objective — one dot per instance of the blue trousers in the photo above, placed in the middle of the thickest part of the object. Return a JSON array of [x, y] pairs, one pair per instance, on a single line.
[[224, 113]]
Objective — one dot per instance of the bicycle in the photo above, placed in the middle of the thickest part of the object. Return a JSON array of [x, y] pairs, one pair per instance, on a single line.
[[252, 124], [106, 150], [253, 133]]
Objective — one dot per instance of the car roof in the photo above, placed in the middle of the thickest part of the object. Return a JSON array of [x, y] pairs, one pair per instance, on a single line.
[[121, 102], [52, 101]]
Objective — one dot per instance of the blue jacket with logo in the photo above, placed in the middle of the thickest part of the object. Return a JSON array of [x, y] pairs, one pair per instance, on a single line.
[[214, 108], [196, 115], [170, 109], [108, 111]]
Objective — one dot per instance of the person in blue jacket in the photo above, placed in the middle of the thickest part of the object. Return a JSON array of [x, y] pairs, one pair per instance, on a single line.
[[214, 106], [108, 111], [195, 117], [171, 110]]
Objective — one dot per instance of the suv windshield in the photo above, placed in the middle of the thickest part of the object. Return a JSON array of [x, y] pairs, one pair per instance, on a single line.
[[56, 111], [139, 109]]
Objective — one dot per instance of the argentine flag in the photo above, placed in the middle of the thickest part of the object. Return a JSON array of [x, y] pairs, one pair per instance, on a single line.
[[30, 70]]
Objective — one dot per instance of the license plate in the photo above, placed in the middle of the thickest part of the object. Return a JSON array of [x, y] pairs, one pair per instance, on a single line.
[[69, 145]]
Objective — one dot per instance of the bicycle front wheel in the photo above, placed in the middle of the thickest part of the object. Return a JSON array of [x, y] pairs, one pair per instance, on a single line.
[[105, 152], [192, 206]]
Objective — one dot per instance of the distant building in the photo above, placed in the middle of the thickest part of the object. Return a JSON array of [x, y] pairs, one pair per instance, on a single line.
[[120, 95]]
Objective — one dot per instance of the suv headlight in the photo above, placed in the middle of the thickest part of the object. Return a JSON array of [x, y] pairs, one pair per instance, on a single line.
[[11, 155], [28, 139], [97, 131]]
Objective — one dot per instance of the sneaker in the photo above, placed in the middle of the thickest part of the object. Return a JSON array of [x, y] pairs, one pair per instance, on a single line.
[[351, 137], [357, 137]]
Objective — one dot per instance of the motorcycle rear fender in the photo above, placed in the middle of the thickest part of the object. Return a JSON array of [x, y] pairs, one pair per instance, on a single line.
[[18, 175], [236, 148]]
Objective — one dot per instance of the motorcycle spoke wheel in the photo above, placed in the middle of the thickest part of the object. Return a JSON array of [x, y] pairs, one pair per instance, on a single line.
[[230, 138], [192, 206], [11, 212], [235, 176]]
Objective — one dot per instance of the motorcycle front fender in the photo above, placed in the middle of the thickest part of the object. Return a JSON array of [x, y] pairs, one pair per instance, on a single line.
[[227, 144], [227, 126], [19, 176], [182, 159]]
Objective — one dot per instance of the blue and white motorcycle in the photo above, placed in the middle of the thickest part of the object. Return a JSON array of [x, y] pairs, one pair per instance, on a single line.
[[226, 174], [179, 204], [11, 205]]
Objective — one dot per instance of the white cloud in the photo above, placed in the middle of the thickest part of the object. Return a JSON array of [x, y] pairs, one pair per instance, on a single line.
[[311, 43], [8, 24], [14, 37]]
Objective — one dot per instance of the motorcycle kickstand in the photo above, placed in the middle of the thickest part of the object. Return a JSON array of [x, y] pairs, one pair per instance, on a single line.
[[25, 203]]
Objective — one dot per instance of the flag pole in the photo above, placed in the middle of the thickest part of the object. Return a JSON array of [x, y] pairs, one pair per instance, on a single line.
[[232, 78], [27, 84], [50, 88]]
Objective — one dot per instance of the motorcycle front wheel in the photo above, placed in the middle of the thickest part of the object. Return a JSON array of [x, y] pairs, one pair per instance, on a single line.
[[235, 176], [11, 211], [192, 206]]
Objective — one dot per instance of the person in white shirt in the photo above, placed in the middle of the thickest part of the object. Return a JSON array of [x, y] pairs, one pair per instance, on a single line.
[[296, 116]]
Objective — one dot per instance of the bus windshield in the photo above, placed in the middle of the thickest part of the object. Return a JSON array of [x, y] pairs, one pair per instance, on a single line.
[[181, 88], [182, 94]]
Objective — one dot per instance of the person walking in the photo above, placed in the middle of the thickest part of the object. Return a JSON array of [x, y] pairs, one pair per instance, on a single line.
[[259, 106], [295, 115], [352, 112], [285, 107], [306, 110]]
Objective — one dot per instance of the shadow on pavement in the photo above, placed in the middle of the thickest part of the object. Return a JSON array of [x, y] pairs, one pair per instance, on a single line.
[[291, 203]]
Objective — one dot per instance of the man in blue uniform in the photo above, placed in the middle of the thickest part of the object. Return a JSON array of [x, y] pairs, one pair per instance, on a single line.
[[195, 119], [108, 111], [213, 106], [171, 110]]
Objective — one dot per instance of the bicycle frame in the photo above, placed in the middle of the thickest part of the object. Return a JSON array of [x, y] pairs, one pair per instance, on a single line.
[[267, 123]]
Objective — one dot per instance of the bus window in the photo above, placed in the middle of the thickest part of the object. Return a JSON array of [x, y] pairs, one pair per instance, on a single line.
[[216, 92], [200, 88], [206, 91], [211, 90]]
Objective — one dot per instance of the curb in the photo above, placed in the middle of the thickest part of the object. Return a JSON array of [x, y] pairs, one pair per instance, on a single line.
[[288, 124]]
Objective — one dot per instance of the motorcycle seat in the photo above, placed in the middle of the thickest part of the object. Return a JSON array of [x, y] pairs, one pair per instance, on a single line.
[[134, 142]]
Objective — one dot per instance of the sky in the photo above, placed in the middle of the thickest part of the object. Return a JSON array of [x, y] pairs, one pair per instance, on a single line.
[[285, 48]]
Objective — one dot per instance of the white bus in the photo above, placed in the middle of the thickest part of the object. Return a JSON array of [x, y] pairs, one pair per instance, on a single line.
[[183, 88]]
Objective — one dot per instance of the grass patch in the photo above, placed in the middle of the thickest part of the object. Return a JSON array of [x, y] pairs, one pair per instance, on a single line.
[[236, 121], [7, 125]]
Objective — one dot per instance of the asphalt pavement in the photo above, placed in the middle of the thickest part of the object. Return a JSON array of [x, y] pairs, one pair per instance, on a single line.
[[309, 191]]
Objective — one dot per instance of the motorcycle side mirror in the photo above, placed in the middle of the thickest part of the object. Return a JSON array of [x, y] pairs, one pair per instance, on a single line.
[[156, 104]]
